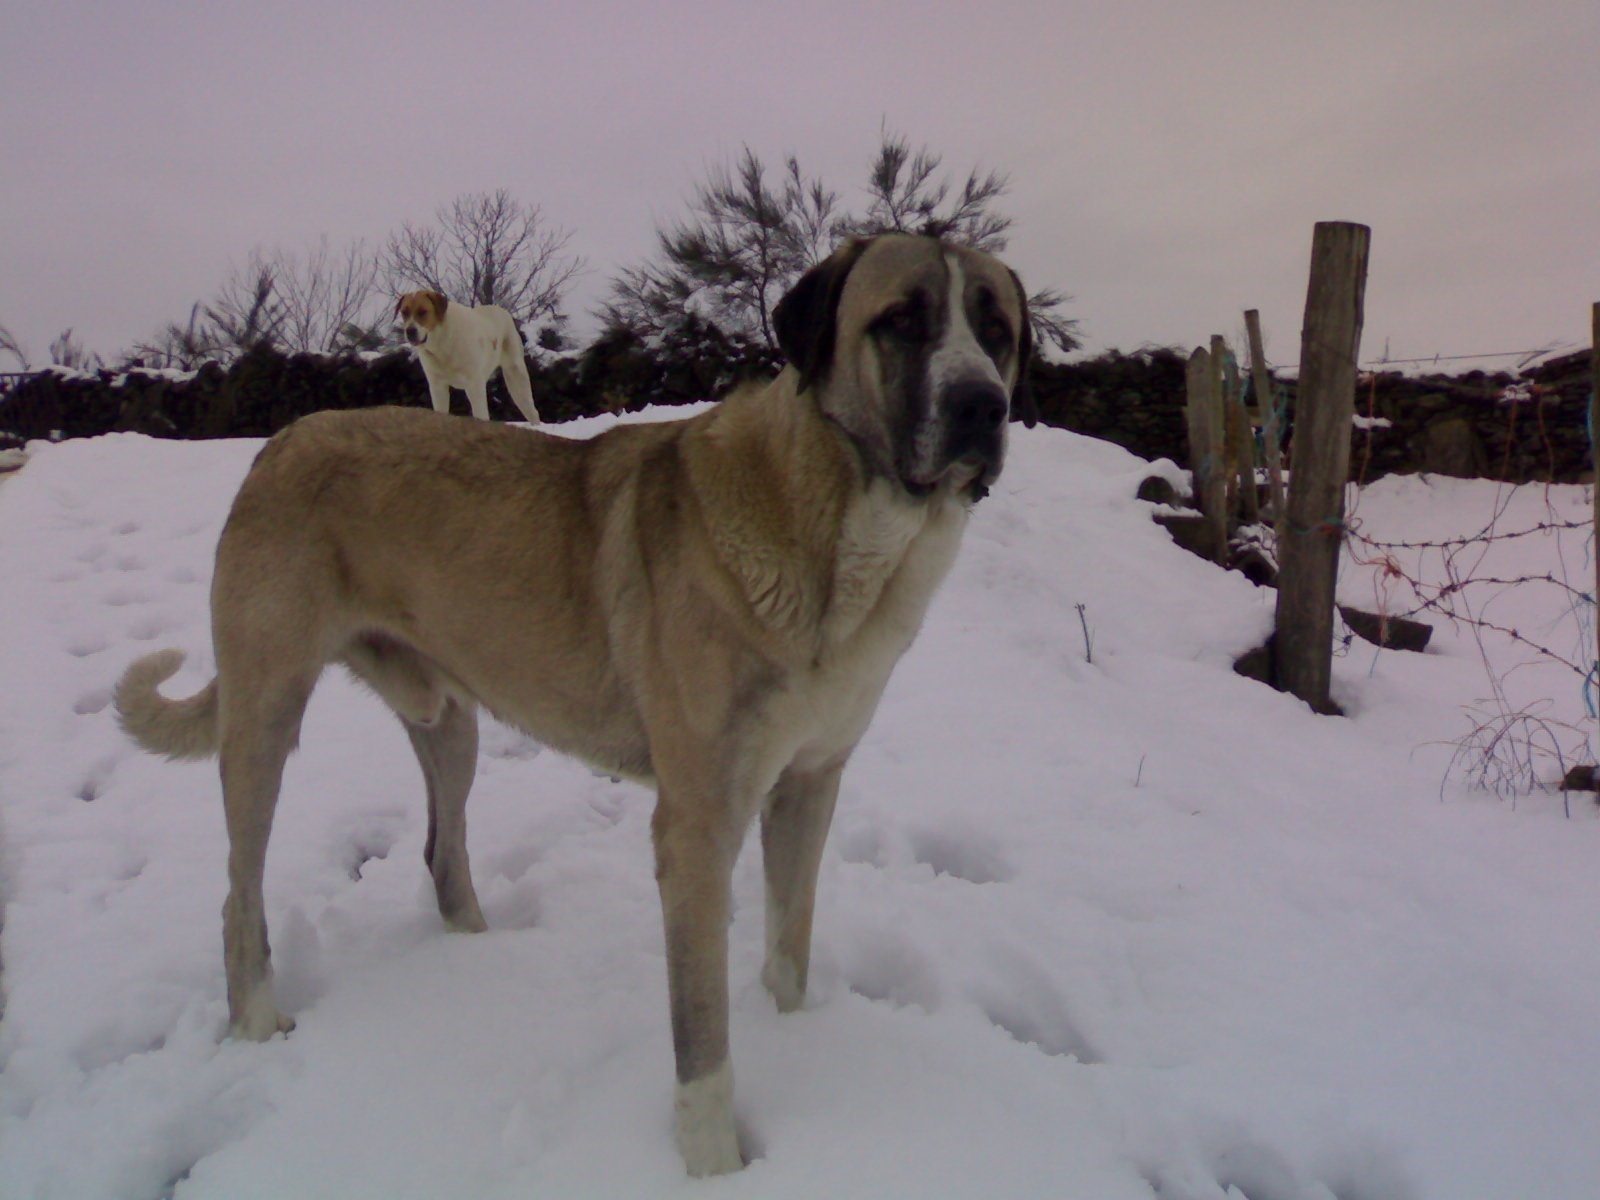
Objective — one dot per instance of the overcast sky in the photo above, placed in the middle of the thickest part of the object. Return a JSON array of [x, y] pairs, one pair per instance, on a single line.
[[1167, 161]]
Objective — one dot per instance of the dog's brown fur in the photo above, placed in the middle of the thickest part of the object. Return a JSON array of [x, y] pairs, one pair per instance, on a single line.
[[711, 605]]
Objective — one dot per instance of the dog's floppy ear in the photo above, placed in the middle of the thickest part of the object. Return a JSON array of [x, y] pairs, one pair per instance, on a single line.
[[440, 303], [806, 317], [399, 302], [1023, 405]]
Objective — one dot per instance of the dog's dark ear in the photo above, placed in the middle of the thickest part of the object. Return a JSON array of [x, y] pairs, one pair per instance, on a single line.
[[1023, 405], [398, 302], [806, 317], [440, 302]]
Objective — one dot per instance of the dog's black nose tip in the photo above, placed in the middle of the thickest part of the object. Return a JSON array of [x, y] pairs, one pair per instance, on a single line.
[[976, 407], [413, 337]]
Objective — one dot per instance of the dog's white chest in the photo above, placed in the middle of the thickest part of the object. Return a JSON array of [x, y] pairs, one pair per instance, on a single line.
[[892, 558], [458, 364], [892, 555]]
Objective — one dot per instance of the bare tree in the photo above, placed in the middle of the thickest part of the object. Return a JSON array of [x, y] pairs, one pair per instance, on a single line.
[[67, 351], [247, 310], [1050, 325], [182, 347], [745, 243], [904, 197], [10, 345], [649, 299], [329, 301], [320, 301], [486, 248], [244, 313]]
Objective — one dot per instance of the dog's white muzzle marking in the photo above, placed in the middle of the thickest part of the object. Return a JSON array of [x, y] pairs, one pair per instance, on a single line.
[[958, 360]]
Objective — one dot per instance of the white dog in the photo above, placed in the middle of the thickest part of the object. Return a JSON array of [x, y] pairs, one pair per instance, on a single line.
[[461, 347]]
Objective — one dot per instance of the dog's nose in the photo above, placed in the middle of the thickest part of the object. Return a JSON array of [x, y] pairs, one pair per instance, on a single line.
[[412, 335], [974, 409]]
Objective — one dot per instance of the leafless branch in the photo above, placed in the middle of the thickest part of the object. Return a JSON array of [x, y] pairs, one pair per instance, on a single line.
[[10, 345], [67, 351], [486, 248], [328, 299]]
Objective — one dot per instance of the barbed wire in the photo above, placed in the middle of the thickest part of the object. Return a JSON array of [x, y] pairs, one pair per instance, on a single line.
[[1555, 350], [1526, 355], [1485, 532], [1510, 746]]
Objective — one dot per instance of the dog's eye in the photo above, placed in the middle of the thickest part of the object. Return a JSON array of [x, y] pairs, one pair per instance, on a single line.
[[906, 322], [994, 334]]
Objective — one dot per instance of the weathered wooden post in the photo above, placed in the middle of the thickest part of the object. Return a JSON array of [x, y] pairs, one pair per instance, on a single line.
[[1311, 528], [1243, 503], [1205, 448], [1196, 377], [1216, 507], [1261, 382], [1594, 456]]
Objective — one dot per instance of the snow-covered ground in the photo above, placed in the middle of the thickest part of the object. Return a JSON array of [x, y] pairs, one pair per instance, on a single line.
[[1119, 928]]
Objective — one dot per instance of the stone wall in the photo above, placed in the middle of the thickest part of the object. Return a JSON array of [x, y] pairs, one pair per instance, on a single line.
[[1523, 428], [264, 390], [1527, 428], [1135, 400], [1531, 427]]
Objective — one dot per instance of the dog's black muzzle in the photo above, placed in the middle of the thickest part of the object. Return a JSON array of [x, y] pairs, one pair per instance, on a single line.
[[975, 419]]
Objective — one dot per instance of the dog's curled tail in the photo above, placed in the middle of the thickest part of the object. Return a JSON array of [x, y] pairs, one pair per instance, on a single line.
[[183, 729]]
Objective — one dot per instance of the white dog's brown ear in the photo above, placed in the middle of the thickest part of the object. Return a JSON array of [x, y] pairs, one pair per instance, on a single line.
[[400, 303], [440, 303], [805, 318], [1023, 404]]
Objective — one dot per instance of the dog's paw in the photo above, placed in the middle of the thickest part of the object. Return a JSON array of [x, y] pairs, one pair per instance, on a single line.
[[705, 1130], [466, 921], [259, 1021], [261, 1029], [782, 981]]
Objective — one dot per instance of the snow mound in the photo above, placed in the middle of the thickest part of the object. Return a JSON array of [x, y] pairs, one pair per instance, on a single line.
[[1124, 928]]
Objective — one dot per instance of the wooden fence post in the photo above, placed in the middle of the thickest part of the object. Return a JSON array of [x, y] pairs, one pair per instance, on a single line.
[[1261, 382], [1205, 448], [1215, 505], [1311, 529], [1244, 505], [1594, 457]]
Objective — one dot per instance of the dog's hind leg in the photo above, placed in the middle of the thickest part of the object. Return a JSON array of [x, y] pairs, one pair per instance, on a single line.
[[515, 370], [443, 727], [447, 748], [794, 826], [260, 724]]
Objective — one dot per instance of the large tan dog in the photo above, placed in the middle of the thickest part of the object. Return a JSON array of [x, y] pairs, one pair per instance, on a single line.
[[461, 347], [711, 605]]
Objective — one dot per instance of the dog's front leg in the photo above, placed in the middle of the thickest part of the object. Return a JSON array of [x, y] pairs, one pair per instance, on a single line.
[[794, 826], [439, 393], [478, 398], [695, 846]]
